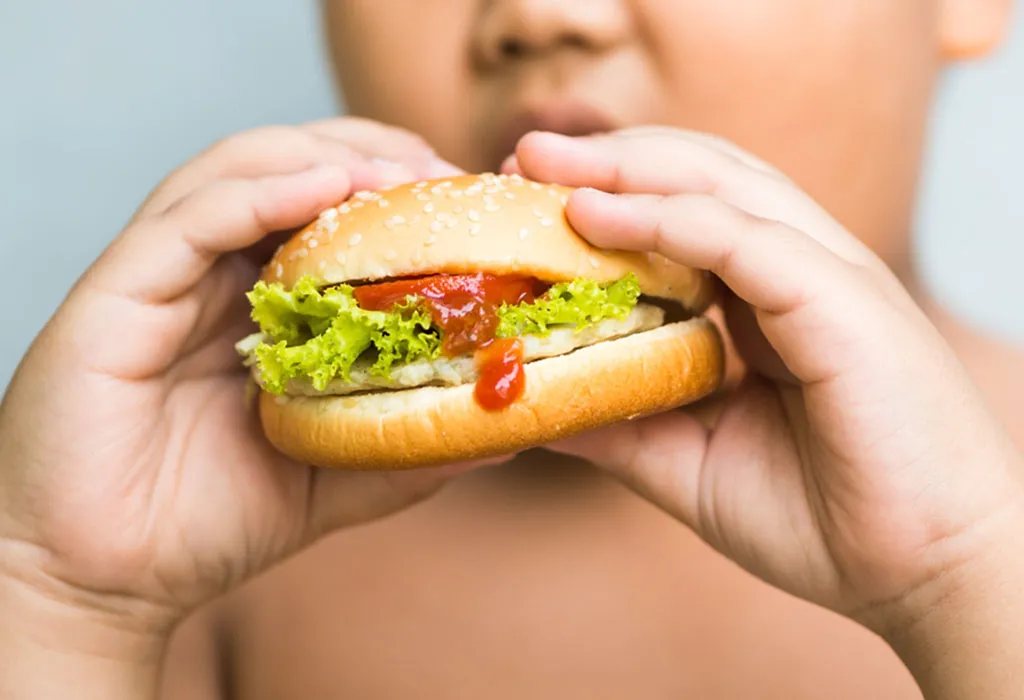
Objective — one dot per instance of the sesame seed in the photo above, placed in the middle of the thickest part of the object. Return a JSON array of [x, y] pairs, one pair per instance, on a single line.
[[455, 194], [488, 199], [517, 178], [390, 255], [493, 189], [446, 183], [546, 221], [428, 207], [423, 197], [523, 233], [329, 213], [435, 226], [431, 240], [594, 262], [314, 243], [565, 199], [340, 257], [509, 195], [453, 222], [354, 239], [322, 265], [474, 229], [436, 189], [492, 208], [279, 270], [302, 252], [473, 215], [536, 185], [364, 195], [457, 210], [382, 203], [552, 191], [421, 184], [537, 212], [344, 209]]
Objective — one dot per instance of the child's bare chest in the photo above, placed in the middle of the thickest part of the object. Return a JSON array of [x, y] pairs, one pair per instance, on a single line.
[[589, 593]]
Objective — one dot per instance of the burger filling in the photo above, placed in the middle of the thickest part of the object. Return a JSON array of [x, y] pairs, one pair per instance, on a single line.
[[435, 330]]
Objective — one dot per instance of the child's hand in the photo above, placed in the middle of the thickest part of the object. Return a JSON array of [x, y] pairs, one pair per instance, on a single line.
[[134, 480], [856, 466]]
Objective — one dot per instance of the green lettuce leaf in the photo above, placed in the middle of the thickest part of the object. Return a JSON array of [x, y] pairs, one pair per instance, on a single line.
[[579, 303], [317, 334]]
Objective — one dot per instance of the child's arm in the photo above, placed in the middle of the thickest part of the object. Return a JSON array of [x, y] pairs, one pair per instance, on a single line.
[[134, 482], [856, 466]]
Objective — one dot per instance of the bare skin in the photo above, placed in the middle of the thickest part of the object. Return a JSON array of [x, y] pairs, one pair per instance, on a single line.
[[567, 573], [544, 578]]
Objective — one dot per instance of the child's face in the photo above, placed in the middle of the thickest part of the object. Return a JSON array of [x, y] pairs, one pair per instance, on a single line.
[[833, 92]]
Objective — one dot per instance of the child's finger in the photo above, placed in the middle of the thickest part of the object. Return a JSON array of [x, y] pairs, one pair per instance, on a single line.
[[666, 162], [659, 457], [710, 140], [383, 143], [812, 297], [371, 158], [159, 259], [257, 153]]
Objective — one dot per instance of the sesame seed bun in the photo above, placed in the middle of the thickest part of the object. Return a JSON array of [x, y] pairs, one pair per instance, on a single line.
[[503, 225], [598, 385], [498, 224]]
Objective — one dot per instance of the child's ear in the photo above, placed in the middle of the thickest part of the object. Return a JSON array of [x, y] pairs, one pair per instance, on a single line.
[[972, 28]]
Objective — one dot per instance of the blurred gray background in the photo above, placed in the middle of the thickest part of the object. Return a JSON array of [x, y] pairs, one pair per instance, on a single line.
[[100, 99]]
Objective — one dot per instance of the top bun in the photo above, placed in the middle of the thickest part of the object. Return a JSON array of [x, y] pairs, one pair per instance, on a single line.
[[498, 224]]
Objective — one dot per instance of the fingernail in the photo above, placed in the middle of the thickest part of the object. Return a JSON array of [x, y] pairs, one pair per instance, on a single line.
[[611, 206], [511, 165]]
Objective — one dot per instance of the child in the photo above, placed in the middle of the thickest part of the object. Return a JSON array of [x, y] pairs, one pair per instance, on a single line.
[[856, 469]]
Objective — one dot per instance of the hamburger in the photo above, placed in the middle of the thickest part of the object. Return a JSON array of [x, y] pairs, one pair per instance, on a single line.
[[458, 319]]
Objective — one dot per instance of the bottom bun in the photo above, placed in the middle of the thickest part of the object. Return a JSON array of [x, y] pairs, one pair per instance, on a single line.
[[611, 381]]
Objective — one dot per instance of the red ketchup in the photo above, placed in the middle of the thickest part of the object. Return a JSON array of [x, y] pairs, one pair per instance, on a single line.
[[465, 308], [502, 379]]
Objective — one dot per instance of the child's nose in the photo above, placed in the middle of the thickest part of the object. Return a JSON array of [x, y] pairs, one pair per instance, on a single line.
[[511, 31]]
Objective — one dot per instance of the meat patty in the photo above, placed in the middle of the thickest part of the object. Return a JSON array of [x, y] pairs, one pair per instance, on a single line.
[[452, 371]]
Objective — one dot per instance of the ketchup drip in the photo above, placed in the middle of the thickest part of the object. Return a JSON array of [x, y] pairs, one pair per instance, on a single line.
[[465, 308], [502, 379]]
